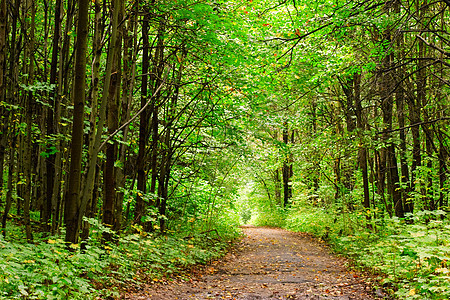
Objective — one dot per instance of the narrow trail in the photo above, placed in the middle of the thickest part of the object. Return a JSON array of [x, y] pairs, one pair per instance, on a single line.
[[269, 264]]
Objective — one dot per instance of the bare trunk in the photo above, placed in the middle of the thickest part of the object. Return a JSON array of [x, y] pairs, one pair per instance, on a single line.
[[143, 126], [156, 80], [93, 101], [4, 114], [51, 124], [129, 71], [11, 170], [87, 188], [362, 151], [287, 169], [72, 213], [56, 200]]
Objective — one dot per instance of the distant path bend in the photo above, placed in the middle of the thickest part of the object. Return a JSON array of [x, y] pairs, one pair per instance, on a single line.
[[270, 263]]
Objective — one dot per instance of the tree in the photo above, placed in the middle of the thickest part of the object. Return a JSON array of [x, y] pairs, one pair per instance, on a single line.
[[72, 213]]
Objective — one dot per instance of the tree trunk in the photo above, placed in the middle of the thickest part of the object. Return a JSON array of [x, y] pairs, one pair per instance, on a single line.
[[143, 126], [51, 124], [63, 87], [407, 203], [4, 113], [72, 203], [393, 180], [287, 168], [129, 71], [109, 179], [443, 171], [97, 46], [11, 170], [156, 79], [168, 149], [109, 176], [94, 146], [29, 13], [362, 150]]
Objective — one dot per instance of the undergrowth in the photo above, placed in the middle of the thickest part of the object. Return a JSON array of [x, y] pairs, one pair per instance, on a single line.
[[410, 256], [49, 269], [271, 217]]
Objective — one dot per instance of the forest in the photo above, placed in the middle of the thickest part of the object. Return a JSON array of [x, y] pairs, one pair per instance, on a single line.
[[138, 135]]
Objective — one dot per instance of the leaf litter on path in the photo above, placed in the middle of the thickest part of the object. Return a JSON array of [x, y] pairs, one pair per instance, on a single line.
[[269, 263]]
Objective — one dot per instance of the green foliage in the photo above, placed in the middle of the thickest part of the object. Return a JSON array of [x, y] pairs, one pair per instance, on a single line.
[[51, 269], [272, 217], [307, 219], [47, 270], [255, 208]]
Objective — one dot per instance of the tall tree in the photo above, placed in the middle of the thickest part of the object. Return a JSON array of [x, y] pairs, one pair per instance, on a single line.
[[109, 176], [72, 200]]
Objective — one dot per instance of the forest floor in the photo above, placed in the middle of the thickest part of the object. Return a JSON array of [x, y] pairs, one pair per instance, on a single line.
[[268, 263]]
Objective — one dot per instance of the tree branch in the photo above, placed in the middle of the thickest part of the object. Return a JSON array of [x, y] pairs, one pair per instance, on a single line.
[[135, 116], [414, 125], [433, 45]]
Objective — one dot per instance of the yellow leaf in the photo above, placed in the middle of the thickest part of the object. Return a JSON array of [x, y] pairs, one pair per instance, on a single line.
[[412, 292], [29, 261], [51, 241]]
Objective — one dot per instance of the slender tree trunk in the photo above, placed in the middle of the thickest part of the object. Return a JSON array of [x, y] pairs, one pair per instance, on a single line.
[[167, 152], [29, 13], [11, 98], [400, 102], [362, 151], [349, 89], [277, 179], [443, 171], [287, 168], [415, 108], [11, 170], [393, 180], [154, 107], [4, 114], [91, 165], [109, 178], [129, 71], [51, 124], [443, 151], [316, 168], [62, 89], [97, 46], [72, 212], [405, 190], [143, 125], [429, 201], [337, 162]]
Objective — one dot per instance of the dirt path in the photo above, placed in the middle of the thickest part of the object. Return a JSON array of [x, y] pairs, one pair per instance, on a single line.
[[269, 264]]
